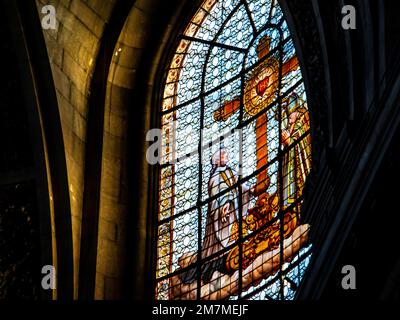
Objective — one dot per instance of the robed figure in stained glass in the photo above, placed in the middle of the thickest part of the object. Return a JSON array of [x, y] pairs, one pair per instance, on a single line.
[[296, 162], [222, 216]]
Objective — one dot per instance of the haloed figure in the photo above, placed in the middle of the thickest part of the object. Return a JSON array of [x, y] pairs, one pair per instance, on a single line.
[[297, 160], [222, 217]]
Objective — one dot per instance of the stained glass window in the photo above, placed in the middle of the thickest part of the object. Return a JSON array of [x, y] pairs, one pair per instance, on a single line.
[[236, 151]]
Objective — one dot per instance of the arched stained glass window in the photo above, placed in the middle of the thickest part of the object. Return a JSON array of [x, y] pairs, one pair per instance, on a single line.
[[236, 151]]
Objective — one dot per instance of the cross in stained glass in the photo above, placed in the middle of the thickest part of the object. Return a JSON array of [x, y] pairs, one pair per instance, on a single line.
[[260, 91]]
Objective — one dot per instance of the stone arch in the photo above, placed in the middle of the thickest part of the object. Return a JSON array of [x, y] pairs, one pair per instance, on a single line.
[[73, 49], [125, 196], [48, 175]]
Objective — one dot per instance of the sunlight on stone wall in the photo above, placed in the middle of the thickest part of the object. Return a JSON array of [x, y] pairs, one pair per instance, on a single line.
[[72, 50]]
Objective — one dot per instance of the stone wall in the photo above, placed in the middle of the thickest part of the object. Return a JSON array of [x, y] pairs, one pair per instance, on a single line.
[[72, 50], [112, 238]]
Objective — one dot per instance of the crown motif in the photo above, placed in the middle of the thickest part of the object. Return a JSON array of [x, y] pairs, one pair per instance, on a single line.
[[263, 44]]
